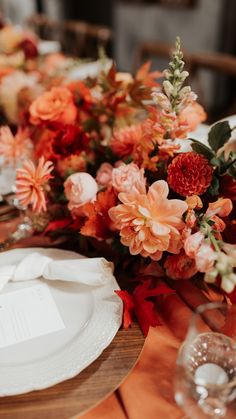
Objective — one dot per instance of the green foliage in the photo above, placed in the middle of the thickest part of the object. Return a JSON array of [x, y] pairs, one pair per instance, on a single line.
[[231, 167], [219, 134], [202, 149], [214, 187]]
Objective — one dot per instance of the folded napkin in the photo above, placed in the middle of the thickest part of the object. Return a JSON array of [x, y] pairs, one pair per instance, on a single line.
[[94, 271]]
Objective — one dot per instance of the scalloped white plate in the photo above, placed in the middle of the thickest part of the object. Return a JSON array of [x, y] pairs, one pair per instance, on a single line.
[[92, 317]]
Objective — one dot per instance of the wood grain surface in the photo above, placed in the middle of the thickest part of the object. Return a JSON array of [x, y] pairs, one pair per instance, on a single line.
[[77, 395]]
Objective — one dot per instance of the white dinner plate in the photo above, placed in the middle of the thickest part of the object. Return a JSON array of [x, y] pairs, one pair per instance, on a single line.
[[48, 47], [92, 317]]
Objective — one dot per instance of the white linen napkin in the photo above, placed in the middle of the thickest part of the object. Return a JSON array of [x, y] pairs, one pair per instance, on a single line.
[[94, 271]]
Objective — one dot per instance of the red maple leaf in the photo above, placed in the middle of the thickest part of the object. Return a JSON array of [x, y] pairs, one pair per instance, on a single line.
[[57, 225], [128, 307], [146, 77], [138, 305], [232, 296], [97, 221]]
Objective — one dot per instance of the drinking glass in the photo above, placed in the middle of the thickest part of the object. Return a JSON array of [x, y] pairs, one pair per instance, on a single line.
[[15, 223], [205, 380]]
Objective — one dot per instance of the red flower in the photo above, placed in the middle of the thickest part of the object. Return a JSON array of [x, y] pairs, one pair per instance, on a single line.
[[97, 221], [69, 139], [228, 187], [180, 266], [44, 144], [82, 94], [189, 174], [138, 304], [29, 48]]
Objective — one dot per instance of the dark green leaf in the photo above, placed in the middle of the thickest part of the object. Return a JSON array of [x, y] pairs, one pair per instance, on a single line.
[[214, 187], [202, 149], [232, 171], [215, 161], [219, 134]]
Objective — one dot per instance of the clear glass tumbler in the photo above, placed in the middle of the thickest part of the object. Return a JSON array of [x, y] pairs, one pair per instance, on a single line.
[[205, 380]]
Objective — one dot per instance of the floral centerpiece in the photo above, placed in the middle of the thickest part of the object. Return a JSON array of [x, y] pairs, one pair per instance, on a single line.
[[109, 170], [25, 72]]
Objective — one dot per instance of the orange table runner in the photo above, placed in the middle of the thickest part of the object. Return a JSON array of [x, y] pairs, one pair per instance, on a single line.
[[148, 393]]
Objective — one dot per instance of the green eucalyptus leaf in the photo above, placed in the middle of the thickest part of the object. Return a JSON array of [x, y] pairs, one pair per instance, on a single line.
[[219, 134], [202, 149]]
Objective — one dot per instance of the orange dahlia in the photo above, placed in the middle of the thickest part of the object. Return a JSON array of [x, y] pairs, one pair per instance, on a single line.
[[189, 174], [30, 183]]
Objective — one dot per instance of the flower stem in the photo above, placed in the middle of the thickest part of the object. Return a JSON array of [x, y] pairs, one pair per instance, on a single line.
[[214, 242]]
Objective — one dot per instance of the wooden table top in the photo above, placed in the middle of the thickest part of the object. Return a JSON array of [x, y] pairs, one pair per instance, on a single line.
[[77, 395]]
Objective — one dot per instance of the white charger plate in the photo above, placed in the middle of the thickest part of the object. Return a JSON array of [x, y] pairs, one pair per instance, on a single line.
[[92, 317]]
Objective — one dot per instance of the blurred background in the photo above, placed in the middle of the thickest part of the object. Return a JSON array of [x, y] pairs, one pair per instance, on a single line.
[[132, 31]]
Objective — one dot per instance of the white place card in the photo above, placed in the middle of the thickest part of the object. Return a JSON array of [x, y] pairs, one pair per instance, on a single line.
[[26, 314]]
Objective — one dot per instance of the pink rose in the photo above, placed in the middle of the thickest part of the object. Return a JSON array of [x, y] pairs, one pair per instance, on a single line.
[[104, 174], [80, 188], [205, 258], [129, 178], [192, 244]]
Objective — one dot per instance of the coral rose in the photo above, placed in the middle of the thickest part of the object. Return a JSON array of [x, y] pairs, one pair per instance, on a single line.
[[80, 188], [54, 106], [180, 266], [129, 178], [124, 140], [150, 223], [193, 114], [189, 174], [104, 174]]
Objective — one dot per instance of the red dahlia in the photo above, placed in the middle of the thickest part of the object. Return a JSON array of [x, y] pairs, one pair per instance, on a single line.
[[29, 48], [69, 139], [189, 174]]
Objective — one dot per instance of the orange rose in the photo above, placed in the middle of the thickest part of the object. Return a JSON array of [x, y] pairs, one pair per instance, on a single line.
[[54, 106]]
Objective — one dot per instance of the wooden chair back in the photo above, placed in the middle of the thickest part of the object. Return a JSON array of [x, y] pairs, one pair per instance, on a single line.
[[44, 27], [155, 49], [84, 39], [213, 62], [78, 38], [217, 64]]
